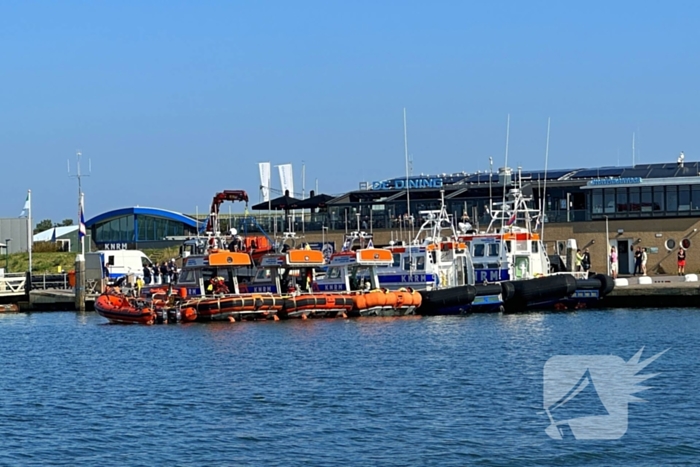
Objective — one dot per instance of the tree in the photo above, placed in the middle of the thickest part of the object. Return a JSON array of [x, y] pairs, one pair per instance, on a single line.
[[66, 222], [46, 224]]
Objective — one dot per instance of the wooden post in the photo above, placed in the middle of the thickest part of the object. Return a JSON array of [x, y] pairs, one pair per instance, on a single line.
[[80, 283]]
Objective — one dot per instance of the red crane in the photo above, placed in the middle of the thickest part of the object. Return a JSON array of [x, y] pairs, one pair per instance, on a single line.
[[226, 195]]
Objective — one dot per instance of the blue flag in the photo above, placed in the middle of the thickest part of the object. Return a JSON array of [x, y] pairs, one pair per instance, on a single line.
[[81, 229]]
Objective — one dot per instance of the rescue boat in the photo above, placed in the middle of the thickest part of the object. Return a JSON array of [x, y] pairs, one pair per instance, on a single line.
[[208, 290], [511, 252], [354, 273], [119, 308], [292, 273]]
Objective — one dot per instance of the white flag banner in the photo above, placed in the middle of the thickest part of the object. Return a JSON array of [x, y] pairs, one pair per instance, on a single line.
[[265, 180], [287, 178]]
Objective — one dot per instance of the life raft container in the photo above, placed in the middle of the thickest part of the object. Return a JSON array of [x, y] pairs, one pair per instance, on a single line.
[[118, 308]]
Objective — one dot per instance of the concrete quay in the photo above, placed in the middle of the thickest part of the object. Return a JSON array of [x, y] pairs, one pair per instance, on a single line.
[[654, 292]]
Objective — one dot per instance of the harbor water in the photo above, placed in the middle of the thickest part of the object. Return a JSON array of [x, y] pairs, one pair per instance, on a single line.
[[406, 391]]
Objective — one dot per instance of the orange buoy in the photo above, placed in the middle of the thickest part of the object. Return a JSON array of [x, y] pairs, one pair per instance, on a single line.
[[182, 292], [232, 319]]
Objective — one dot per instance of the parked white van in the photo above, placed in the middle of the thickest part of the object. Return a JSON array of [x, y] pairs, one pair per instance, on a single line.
[[121, 263]]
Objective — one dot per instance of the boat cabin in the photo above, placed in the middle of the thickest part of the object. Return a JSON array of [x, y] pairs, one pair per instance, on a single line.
[[200, 272], [291, 271], [354, 270]]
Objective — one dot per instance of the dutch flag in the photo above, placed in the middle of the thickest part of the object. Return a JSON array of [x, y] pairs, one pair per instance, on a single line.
[[511, 221]]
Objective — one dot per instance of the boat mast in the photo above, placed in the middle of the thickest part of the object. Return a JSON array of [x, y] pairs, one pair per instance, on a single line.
[[405, 148], [503, 202], [544, 191]]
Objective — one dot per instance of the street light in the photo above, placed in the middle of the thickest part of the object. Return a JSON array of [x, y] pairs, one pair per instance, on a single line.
[[7, 254]]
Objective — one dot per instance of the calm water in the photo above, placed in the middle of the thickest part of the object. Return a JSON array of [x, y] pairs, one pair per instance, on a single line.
[[411, 391]]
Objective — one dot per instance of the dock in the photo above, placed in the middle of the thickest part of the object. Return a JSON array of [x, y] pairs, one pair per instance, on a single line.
[[654, 292]]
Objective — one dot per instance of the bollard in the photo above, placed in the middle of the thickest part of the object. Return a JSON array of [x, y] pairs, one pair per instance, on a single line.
[[80, 283]]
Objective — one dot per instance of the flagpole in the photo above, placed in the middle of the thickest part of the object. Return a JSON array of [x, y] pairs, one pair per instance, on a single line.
[[30, 236]]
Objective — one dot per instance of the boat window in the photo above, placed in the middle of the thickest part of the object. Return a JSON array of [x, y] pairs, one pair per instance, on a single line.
[[535, 247], [407, 262], [420, 263], [479, 249], [397, 260], [187, 275], [433, 257], [478, 266], [262, 275], [334, 273], [508, 246], [494, 249]]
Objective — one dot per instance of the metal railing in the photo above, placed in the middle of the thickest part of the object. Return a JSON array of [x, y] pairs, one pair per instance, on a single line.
[[50, 281], [13, 284]]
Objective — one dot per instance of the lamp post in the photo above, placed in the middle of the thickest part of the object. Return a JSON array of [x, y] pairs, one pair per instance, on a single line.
[[7, 254]]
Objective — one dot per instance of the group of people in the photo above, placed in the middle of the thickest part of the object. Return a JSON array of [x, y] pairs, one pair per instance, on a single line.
[[163, 273], [640, 262]]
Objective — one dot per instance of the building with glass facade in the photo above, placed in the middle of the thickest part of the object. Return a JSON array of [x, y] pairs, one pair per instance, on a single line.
[[138, 227]]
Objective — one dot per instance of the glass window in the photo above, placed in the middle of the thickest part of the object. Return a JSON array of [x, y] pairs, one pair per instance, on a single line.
[[535, 246], [494, 248], [609, 196], [262, 275], [187, 275], [334, 273], [478, 249], [634, 205], [695, 197], [684, 198], [621, 200], [671, 199], [597, 201], [397, 260], [658, 204], [407, 262], [647, 201], [420, 263]]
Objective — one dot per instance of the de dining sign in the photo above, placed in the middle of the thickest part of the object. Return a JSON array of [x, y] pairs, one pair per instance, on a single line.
[[412, 183]]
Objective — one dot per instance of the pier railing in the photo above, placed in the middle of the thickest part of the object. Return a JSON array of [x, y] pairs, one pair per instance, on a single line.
[[13, 284], [50, 281]]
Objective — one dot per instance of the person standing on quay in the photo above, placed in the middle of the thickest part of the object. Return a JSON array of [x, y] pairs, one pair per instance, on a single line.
[[644, 261], [681, 261], [613, 262], [637, 261]]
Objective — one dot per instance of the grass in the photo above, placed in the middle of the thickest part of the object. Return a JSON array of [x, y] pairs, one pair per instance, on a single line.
[[49, 263]]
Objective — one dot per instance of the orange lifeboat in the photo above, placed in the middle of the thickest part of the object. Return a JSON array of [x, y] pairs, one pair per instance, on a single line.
[[118, 308], [243, 306], [316, 304]]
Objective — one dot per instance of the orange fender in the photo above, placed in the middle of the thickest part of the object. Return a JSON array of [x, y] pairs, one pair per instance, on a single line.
[[189, 314], [417, 298], [390, 299], [359, 302]]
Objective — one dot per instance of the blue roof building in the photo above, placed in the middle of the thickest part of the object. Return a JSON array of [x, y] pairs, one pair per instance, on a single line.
[[138, 227]]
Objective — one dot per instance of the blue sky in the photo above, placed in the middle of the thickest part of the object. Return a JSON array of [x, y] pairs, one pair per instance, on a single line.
[[174, 101]]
